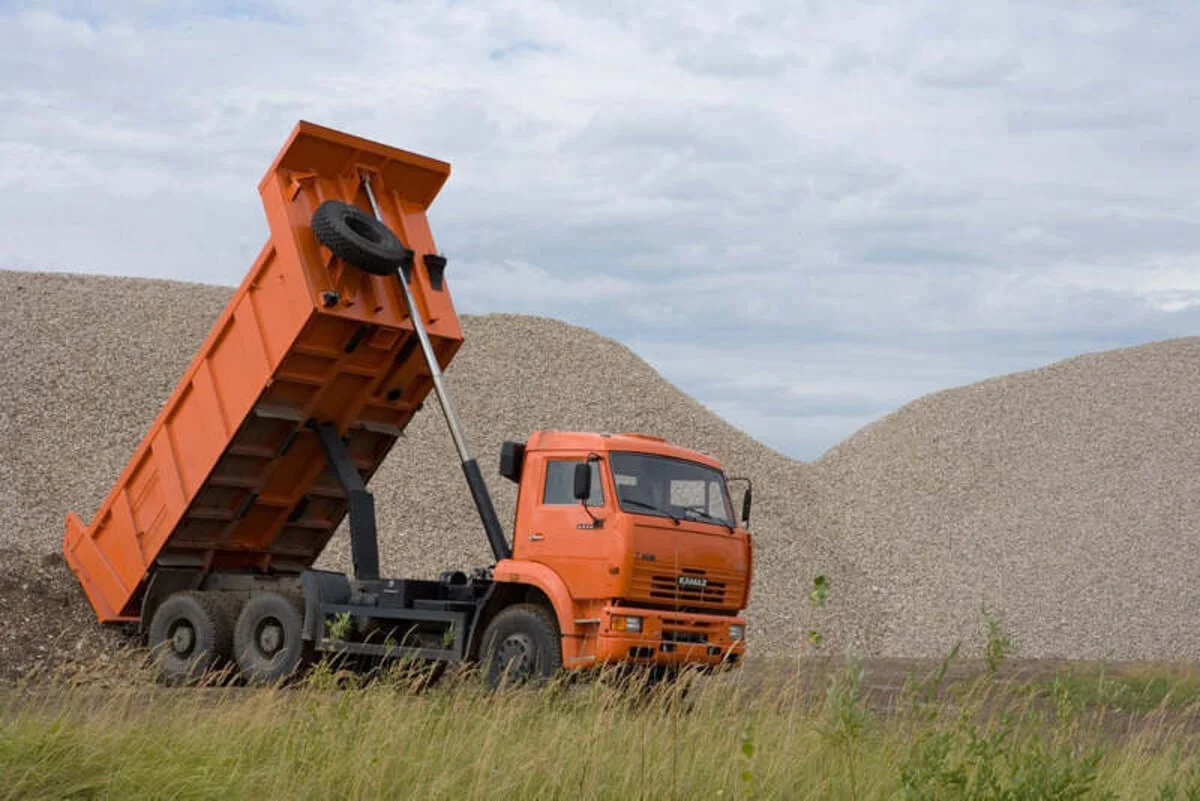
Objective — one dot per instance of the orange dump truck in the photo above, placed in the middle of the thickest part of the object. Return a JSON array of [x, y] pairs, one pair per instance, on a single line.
[[625, 548]]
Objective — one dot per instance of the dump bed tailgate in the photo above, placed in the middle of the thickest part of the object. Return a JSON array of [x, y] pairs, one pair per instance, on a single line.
[[229, 476]]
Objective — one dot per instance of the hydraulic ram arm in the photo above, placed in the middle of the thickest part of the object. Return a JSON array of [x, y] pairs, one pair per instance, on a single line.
[[479, 491], [364, 543]]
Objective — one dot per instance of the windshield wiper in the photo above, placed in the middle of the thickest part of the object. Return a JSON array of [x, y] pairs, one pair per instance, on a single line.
[[651, 507], [642, 504], [706, 516]]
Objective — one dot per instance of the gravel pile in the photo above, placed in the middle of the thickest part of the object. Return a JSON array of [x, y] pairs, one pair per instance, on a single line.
[[1063, 497], [1067, 498]]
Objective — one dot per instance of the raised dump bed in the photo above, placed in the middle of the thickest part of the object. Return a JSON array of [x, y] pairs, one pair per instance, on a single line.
[[230, 476]]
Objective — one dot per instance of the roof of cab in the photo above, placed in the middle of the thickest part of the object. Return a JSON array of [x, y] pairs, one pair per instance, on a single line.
[[639, 443]]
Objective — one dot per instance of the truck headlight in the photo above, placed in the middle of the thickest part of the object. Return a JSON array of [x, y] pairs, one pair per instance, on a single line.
[[628, 623], [737, 632]]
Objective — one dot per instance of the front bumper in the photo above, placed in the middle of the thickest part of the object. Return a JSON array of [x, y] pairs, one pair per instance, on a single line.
[[669, 638]]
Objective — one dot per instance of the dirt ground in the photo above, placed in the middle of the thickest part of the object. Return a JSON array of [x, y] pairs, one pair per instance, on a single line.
[[48, 622]]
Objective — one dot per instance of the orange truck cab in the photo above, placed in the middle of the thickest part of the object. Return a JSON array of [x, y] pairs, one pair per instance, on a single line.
[[642, 560], [625, 549]]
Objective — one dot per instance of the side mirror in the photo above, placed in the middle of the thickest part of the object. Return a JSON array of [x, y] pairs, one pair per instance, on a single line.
[[512, 458], [583, 481], [746, 507]]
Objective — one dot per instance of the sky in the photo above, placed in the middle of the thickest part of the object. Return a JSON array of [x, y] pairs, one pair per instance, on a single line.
[[804, 214]]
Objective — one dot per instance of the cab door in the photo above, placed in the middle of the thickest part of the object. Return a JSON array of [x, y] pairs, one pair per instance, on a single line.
[[559, 532]]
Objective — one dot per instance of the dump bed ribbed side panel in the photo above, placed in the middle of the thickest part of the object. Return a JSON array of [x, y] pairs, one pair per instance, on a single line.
[[229, 476]]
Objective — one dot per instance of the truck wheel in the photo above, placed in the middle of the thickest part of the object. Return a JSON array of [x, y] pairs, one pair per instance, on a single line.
[[521, 645], [190, 633], [358, 238], [267, 641]]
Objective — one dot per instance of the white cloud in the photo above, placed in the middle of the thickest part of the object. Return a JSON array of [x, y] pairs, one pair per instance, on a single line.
[[518, 285], [761, 181], [1166, 282]]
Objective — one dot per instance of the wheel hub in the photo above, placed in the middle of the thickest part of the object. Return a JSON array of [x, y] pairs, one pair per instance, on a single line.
[[183, 639], [516, 656], [270, 637]]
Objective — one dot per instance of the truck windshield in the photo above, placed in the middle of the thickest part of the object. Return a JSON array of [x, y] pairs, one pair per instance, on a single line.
[[660, 485]]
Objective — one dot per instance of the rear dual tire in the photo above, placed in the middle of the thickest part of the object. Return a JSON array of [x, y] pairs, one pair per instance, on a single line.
[[192, 633], [268, 640]]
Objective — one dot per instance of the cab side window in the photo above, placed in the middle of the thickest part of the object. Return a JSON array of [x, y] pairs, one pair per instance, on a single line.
[[560, 484]]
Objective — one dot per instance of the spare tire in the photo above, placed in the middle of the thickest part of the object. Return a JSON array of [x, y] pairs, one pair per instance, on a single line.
[[359, 239]]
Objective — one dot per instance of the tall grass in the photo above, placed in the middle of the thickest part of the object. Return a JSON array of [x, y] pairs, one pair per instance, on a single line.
[[727, 737]]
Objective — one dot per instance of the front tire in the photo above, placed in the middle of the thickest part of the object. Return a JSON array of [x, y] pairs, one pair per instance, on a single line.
[[521, 645]]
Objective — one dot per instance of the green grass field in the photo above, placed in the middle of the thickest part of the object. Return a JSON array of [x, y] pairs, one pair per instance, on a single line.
[[1076, 734]]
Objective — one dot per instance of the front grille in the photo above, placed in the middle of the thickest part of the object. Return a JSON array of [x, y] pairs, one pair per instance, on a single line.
[[667, 588], [650, 584]]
